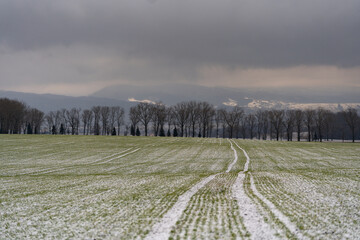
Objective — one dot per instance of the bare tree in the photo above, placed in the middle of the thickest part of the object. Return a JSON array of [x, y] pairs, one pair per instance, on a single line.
[[63, 120], [145, 111], [134, 119], [105, 115], [119, 118], [87, 116], [194, 114], [181, 116], [12, 114], [259, 123], [299, 117], [352, 119], [320, 122], [262, 123], [251, 120], [205, 117], [328, 123], [169, 118], [50, 120], [289, 123], [97, 115], [243, 126], [309, 116], [73, 118], [218, 120], [232, 118], [34, 119], [158, 117], [277, 121]]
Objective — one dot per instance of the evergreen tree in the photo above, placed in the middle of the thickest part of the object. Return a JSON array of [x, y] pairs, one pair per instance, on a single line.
[[29, 129], [169, 133], [62, 129], [53, 130], [162, 132], [132, 130], [137, 131], [113, 133], [175, 133]]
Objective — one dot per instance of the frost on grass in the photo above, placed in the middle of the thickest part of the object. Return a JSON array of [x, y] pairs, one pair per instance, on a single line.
[[87, 187], [96, 187], [316, 186]]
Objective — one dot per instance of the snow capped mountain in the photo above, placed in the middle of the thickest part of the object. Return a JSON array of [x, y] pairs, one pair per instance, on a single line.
[[266, 104]]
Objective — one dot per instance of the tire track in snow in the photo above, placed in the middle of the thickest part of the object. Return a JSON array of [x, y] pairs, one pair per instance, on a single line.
[[253, 220], [161, 230], [235, 159]]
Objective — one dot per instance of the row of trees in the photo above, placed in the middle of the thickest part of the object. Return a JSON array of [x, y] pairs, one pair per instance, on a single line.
[[202, 119], [185, 119], [97, 120], [16, 117]]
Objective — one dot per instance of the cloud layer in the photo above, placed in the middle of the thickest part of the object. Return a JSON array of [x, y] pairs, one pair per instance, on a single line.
[[99, 43]]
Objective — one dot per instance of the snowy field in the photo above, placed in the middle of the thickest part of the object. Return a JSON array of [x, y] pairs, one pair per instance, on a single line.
[[96, 187]]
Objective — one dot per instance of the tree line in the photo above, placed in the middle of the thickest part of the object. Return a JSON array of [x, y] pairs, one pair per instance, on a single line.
[[184, 119]]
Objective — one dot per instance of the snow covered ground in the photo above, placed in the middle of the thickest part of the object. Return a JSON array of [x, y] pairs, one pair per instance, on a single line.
[[87, 187]]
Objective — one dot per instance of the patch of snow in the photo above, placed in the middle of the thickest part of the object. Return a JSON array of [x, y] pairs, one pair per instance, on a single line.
[[141, 101], [266, 104], [231, 103]]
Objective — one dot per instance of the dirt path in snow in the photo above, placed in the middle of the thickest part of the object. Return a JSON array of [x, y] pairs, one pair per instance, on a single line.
[[161, 230], [253, 220]]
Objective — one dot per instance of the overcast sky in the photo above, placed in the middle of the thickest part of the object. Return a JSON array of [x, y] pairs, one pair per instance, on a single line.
[[75, 47]]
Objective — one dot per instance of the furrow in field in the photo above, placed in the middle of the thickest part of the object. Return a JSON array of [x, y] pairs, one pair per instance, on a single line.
[[100, 161], [117, 157], [106, 158]]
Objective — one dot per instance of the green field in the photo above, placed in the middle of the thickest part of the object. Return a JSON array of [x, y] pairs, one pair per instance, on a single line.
[[104, 187]]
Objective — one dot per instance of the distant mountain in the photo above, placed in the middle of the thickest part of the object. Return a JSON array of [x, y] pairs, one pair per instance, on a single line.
[[253, 98], [50, 102], [170, 94]]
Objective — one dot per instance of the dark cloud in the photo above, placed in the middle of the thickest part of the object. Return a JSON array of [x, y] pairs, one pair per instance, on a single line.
[[240, 33], [172, 39]]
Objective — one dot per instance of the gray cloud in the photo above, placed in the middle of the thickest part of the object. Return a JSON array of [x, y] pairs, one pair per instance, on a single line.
[[171, 40]]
